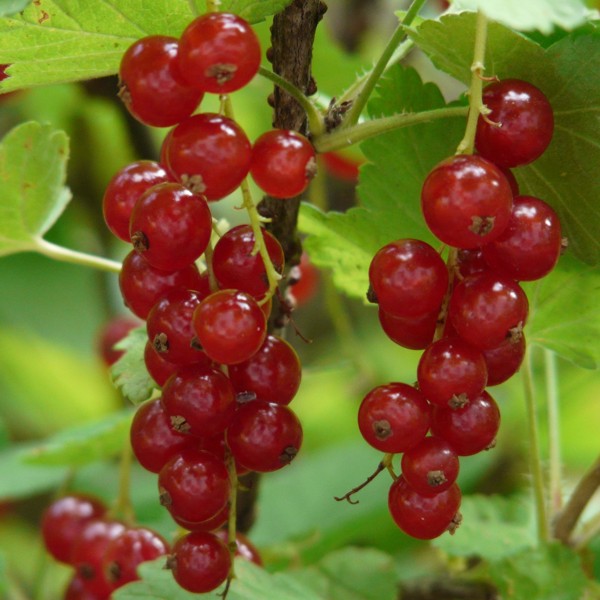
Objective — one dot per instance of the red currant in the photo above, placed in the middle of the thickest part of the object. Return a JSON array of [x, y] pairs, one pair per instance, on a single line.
[[504, 360], [158, 368], [112, 332], [243, 546], [415, 333]]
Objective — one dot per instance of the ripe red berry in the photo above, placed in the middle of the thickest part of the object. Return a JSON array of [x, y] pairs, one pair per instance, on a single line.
[[170, 226], [408, 278], [158, 368], [394, 417], [504, 360], [209, 154], [466, 201], [283, 163], [112, 332], [243, 546], [219, 53], [151, 86], [78, 590], [303, 280], [423, 517], [520, 125], [415, 333]]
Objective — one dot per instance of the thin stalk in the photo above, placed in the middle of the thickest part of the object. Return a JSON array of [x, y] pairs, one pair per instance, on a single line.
[[77, 258], [476, 106], [342, 138], [315, 119], [589, 531], [553, 431], [535, 458], [123, 507], [360, 101], [193, 8], [232, 520], [213, 5], [208, 255]]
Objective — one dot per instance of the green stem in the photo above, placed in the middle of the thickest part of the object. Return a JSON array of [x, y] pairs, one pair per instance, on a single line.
[[73, 256], [360, 101], [193, 8], [476, 106], [555, 483], [315, 119], [535, 457], [123, 507], [213, 5], [343, 138]]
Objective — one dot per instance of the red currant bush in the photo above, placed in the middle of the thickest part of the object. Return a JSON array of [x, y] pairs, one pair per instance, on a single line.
[[283, 163]]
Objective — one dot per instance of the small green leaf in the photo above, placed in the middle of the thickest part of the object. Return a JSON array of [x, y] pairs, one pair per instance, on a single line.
[[129, 373], [492, 527], [542, 15], [83, 444], [33, 161], [255, 11]]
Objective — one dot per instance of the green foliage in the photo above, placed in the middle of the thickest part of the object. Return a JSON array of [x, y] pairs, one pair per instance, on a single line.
[[11, 7], [33, 161]]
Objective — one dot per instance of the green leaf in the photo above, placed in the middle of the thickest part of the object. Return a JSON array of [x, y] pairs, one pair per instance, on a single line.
[[564, 314], [83, 444], [251, 583], [55, 41], [390, 184], [493, 527], [10, 7], [542, 15], [568, 72], [129, 373], [551, 572], [33, 160]]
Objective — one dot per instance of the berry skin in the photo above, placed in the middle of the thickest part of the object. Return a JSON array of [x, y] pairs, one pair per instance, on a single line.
[[469, 429], [504, 360], [230, 326], [273, 373], [451, 372], [200, 562], [423, 517], [209, 154], [522, 123], [113, 332], [530, 246], [466, 201], [243, 546], [431, 467], [486, 309], [170, 226], [283, 163], [64, 520], [78, 590], [158, 368], [408, 278], [236, 265], [264, 436], [219, 53], [194, 485], [413, 333], [394, 417], [123, 191], [152, 89]]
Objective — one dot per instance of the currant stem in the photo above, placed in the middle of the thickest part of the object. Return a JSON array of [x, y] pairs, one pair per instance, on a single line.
[[123, 507], [360, 100], [213, 5], [57, 252], [384, 464], [476, 106], [556, 500], [535, 458], [343, 138], [208, 256], [315, 119], [232, 520]]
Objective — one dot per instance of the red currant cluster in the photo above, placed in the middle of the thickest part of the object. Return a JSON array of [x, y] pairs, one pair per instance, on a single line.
[[467, 315], [104, 552]]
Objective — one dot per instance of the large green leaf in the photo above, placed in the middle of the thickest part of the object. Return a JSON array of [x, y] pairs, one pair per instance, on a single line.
[[390, 184], [568, 72], [543, 15], [33, 160], [54, 41]]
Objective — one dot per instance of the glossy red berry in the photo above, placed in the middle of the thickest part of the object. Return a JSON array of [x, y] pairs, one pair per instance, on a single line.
[[123, 191], [504, 360], [209, 154], [158, 368], [283, 163], [170, 226], [78, 590], [415, 333], [430, 467], [194, 485], [151, 86], [237, 266], [394, 417], [469, 429], [303, 280], [471, 262], [230, 326], [64, 520], [423, 517], [216, 521], [408, 278], [519, 126], [531, 244], [111, 333], [244, 548], [466, 201], [264, 436], [451, 372], [273, 374], [200, 562], [219, 53]]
